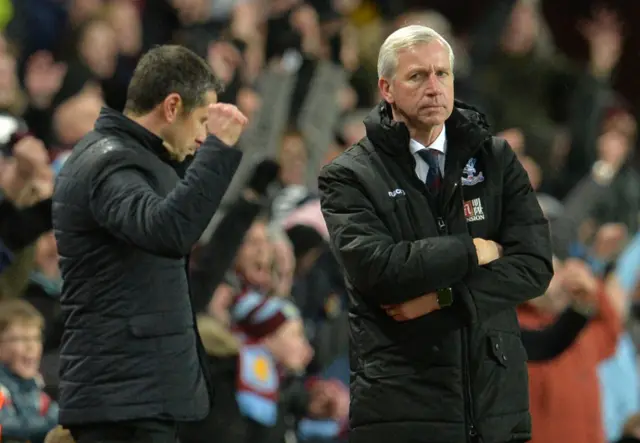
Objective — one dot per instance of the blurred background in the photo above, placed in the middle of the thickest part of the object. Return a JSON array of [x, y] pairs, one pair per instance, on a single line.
[[557, 79]]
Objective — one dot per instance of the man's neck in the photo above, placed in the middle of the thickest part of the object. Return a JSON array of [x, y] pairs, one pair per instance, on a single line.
[[150, 123], [147, 121], [426, 137]]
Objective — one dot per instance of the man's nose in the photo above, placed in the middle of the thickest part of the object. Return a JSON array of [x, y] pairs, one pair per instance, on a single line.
[[432, 85], [201, 136]]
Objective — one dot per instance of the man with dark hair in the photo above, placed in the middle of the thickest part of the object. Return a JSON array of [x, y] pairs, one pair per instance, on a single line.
[[126, 213], [179, 70]]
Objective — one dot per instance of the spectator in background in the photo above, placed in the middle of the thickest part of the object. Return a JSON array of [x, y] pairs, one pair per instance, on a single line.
[[619, 377], [219, 245], [25, 209], [293, 159], [264, 397], [252, 268], [26, 412], [564, 392]]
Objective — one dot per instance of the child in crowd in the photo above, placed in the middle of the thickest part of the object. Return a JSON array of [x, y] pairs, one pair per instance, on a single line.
[[261, 394], [26, 412]]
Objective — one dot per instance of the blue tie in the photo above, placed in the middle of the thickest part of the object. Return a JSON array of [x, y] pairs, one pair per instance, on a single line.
[[434, 176]]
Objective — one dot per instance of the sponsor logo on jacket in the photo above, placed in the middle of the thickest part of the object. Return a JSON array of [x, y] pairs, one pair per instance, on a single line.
[[473, 210]]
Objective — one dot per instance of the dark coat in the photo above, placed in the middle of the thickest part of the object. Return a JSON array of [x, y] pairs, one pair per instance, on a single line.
[[460, 372], [124, 223]]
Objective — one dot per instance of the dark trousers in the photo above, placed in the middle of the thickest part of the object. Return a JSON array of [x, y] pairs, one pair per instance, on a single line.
[[138, 431]]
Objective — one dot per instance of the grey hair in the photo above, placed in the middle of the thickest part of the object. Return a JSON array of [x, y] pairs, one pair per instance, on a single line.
[[404, 38]]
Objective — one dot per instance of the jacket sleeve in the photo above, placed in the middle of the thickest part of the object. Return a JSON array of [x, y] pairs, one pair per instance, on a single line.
[[525, 270], [123, 201], [386, 271], [548, 343]]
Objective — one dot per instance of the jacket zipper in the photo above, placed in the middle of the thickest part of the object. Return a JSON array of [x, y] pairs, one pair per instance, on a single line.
[[472, 432], [443, 229]]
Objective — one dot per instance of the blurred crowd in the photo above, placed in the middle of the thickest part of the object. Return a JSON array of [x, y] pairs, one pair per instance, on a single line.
[[304, 72]]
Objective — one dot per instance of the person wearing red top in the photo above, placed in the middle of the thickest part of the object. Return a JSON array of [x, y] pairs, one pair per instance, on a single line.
[[564, 392]]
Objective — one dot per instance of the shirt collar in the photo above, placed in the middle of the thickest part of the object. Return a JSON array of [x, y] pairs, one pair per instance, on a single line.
[[439, 144]]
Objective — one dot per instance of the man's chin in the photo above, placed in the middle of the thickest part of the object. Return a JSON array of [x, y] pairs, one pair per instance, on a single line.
[[432, 120]]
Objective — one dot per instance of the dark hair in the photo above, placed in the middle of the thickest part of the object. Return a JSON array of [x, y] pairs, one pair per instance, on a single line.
[[170, 69]]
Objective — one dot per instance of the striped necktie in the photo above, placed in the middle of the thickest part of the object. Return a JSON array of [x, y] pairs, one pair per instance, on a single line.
[[434, 176]]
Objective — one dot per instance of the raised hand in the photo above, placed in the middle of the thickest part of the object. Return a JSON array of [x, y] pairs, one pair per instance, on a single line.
[[226, 122], [43, 78], [604, 35], [26, 176]]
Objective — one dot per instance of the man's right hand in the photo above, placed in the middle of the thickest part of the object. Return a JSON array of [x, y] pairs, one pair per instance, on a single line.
[[487, 250], [226, 122]]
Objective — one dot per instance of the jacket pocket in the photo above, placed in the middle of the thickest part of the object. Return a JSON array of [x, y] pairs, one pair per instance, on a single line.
[[497, 349], [501, 386], [160, 324]]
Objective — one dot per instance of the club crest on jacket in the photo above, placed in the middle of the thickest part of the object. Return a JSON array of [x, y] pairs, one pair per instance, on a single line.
[[470, 176]]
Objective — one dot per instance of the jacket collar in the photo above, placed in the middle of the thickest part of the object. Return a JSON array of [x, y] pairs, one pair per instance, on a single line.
[[112, 121], [466, 129]]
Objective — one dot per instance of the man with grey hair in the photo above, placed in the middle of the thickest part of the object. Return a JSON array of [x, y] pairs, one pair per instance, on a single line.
[[440, 236]]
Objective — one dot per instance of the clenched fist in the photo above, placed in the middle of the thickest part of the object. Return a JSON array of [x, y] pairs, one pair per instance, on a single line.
[[226, 122]]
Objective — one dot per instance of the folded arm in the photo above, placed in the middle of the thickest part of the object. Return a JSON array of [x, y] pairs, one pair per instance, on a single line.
[[386, 271], [525, 270], [124, 202]]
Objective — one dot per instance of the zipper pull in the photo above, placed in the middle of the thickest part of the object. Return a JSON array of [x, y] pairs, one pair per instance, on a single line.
[[442, 226]]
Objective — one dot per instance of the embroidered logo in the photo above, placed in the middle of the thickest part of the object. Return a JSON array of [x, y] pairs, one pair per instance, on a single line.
[[396, 193], [470, 176], [473, 210]]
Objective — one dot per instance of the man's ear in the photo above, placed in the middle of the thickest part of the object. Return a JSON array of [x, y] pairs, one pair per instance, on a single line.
[[385, 90], [171, 107]]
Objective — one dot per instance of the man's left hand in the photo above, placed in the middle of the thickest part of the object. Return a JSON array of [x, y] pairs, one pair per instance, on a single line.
[[412, 309]]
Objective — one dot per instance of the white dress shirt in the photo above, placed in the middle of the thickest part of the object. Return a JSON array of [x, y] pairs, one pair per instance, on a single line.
[[439, 144]]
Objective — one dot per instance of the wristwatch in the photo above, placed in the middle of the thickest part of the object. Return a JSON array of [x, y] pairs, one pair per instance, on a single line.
[[445, 297]]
